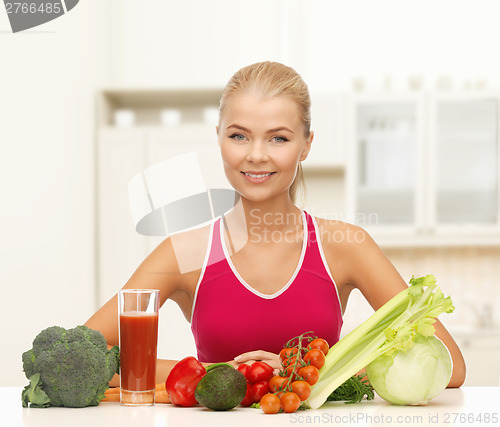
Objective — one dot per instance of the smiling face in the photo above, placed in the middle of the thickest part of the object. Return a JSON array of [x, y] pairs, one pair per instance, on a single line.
[[262, 141]]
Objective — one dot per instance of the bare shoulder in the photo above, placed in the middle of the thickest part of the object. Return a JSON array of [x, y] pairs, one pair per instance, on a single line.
[[188, 248], [340, 235], [346, 247]]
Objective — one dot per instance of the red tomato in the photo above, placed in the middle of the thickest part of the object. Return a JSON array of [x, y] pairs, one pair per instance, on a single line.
[[290, 402], [286, 353], [301, 389], [248, 399], [289, 361], [320, 344], [310, 374], [245, 370], [259, 389], [315, 357], [270, 403], [277, 382], [292, 372], [260, 371]]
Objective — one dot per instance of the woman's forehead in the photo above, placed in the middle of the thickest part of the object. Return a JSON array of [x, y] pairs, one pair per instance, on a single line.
[[268, 111]]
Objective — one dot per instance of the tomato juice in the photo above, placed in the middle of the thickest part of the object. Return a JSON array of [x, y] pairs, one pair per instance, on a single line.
[[138, 342]]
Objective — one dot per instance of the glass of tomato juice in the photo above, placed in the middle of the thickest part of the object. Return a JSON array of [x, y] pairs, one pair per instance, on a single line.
[[138, 327]]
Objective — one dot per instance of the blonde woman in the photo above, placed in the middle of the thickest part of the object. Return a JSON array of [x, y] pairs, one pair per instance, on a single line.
[[267, 270]]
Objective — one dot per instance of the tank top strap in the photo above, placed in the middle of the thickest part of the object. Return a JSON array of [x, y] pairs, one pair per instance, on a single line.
[[314, 260], [216, 251]]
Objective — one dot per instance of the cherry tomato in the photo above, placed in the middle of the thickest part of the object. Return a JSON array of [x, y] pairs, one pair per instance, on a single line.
[[260, 371], [310, 374], [286, 353], [301, 389], [289, 361], [320, 344], [315, 357], [248, 399], [277, 382], [270, 403], [245, 370], [290, 402], [259, 389], [292, 372]]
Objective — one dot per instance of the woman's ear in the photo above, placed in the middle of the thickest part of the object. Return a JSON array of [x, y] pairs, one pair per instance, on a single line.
[[217, 133], [307, 147]]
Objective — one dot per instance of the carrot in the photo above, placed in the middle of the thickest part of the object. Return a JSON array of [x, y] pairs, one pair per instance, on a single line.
[[112, 395], [161, 395]]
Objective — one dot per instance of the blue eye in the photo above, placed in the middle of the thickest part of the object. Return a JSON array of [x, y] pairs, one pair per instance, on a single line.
[[238, 136], [280, 139]]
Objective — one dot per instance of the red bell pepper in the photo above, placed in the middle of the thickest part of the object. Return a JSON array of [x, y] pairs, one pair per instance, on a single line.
[[182, 381]]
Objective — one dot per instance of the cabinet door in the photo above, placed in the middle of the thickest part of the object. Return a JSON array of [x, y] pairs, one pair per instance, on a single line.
[[387, 158], [481, 354], [120, 248], [327, 118], [465, 166]]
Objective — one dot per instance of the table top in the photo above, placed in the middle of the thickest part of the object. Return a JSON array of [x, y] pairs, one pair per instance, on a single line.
[[464, 406]]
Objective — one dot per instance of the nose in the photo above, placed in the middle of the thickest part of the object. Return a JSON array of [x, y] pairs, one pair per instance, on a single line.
[[257, 152]]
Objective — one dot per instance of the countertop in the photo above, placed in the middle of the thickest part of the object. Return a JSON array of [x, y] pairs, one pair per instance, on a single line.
[[478, 406]]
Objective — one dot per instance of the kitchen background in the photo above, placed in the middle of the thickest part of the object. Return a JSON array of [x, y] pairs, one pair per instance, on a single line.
[[405, 110]]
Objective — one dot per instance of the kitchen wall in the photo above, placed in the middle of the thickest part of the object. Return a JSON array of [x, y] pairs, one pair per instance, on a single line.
[[50, 75], [47, 81]]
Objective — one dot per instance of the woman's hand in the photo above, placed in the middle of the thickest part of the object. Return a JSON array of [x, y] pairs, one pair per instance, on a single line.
[[259, 355]]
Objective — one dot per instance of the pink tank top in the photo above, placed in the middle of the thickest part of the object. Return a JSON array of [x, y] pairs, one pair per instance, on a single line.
[[229, 317]]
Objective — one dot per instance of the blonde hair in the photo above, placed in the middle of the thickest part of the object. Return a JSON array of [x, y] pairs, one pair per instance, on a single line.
[[269, 79]]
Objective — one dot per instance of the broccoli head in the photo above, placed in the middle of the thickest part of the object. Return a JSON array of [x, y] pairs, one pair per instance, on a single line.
[[74, 367]]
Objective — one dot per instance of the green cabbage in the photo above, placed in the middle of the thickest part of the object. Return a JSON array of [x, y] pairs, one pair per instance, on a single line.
[[412, 377]]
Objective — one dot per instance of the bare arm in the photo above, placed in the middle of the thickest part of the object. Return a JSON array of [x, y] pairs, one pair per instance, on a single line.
[[365, 267]]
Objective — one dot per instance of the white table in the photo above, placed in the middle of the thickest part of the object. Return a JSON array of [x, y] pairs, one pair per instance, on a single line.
[[478, 406]]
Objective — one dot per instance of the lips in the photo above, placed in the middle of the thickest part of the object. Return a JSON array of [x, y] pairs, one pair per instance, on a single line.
[[257, 177]]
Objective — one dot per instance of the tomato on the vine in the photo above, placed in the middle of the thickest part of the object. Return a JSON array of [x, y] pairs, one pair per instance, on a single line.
[[288, 362], [301, 389], [278, 382], [290, 402], [292, 371], [270, 403], [310, 374], [287, 353], [320, 344], [315, 357]]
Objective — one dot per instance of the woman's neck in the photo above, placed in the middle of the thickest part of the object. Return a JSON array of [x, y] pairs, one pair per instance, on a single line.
[[251, 221]]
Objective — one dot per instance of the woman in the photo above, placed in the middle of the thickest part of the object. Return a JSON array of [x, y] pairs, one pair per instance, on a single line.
[[266, 271]]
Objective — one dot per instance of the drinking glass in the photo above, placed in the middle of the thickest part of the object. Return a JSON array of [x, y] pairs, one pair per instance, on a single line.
[[138, 329]]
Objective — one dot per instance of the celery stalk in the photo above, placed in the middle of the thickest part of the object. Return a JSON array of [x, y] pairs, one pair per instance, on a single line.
[[392, 327]]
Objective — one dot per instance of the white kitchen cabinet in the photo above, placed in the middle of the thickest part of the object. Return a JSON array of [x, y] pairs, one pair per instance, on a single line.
[[121, 155], [384, 175], [464, 163], [328, 116], [424, 169], [481, 351]]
